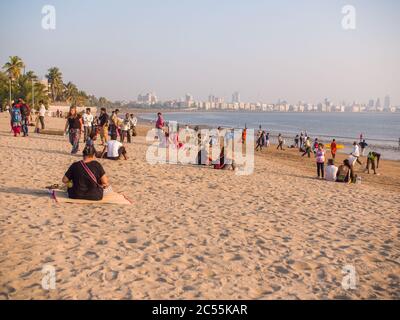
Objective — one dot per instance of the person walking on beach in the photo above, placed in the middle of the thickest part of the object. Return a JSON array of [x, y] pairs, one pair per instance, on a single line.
[[103, 125], [42, 114], [74, 127], [87, 124], [307, 147], [25, 116], [280, 142], [260, 141], [320, 157], [16, 120], [363, 145], [356, 152], [333, 148]]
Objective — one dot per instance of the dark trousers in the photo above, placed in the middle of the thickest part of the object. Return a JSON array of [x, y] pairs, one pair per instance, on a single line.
[[41, 119], [321, 169], [25, 123], [280, 146]]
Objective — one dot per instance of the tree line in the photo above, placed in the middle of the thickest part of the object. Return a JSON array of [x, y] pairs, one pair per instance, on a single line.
[[27, 85]]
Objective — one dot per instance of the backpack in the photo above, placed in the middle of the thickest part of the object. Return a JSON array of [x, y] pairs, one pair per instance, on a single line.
[[16, 116]]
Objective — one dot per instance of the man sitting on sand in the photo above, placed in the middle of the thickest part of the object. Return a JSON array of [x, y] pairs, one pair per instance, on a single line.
[[86, 179], [331, 171], [114, 149]]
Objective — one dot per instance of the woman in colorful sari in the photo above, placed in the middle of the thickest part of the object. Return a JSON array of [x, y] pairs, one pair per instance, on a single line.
[[74, 126]]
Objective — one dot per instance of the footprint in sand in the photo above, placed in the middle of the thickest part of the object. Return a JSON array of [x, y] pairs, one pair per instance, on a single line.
[[91, 255]]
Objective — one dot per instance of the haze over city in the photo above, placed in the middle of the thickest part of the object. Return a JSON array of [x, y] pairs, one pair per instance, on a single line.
[[267, 51]]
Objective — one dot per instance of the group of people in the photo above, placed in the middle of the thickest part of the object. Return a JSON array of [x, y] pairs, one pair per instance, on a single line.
[[110, 128], [86, 179], [345, 172], [21, 117]]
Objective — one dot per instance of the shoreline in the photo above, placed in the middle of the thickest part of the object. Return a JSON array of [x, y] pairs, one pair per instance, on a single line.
[[392, 153]]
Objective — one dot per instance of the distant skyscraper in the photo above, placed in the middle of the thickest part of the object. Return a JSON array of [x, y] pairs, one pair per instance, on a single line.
[[378, 103], [236, 97], [386, 103], [371, 103]]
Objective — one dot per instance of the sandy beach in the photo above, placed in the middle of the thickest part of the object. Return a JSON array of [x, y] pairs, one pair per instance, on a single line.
[[194, 232]]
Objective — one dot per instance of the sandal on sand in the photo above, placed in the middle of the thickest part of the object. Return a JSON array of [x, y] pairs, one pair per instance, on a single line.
[[53, 187]]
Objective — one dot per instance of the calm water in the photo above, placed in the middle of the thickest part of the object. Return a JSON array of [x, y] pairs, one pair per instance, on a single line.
[[381, 130]]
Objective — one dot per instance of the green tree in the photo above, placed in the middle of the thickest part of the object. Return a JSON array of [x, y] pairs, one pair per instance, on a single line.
[[14, 67], [71, 92], [54, 76]]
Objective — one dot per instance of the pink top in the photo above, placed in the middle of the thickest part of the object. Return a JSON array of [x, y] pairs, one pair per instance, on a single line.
[[320, 155], [160, 123]]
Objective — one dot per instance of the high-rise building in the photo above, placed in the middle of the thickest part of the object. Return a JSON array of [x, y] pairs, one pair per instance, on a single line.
[[148, 98], [236, 97], [386, 103], [378, 103], [371, 103]]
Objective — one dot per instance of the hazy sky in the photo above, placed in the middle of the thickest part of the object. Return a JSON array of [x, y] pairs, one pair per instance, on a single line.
[[266, 50]]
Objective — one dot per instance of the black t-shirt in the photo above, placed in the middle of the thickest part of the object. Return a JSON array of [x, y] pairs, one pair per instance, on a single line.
[[74, 123], [83, 186], [103, 119]]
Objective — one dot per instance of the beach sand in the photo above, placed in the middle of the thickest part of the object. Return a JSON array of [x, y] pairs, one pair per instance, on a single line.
[[193, 232]]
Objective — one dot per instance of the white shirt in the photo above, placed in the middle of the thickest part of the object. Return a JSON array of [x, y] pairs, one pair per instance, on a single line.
[[42, 110], [133, 121], [356, 151], [112, 148], [330, 173], [87, 119]]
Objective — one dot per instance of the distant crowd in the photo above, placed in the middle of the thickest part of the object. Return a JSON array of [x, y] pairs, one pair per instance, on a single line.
[[343, 173]]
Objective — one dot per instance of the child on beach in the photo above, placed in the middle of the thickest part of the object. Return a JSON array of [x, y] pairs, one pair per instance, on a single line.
[[320, 157]]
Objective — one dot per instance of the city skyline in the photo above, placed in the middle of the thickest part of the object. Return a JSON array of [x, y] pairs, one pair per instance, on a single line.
[[293, 51]]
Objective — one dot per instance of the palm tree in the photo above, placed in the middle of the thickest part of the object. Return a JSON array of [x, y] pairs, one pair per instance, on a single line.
[[30, 75], [70, 92], [13, 67], [54, 77]]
